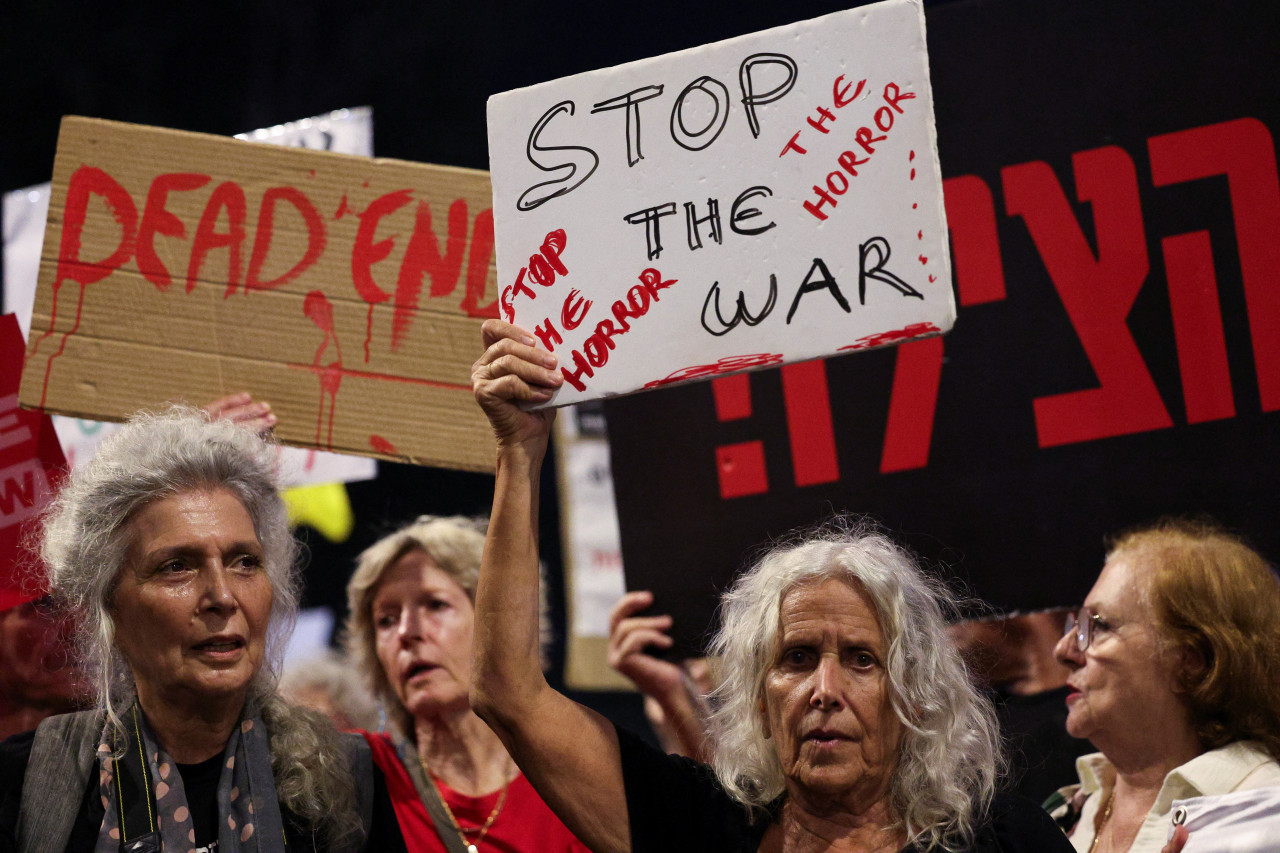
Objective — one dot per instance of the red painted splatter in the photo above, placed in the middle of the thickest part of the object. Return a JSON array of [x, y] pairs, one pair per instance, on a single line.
[[915, 330], [920, 235], [911, 156], [381, 445], [932, 279], [914, 206], [728, 364], [320, 311], [923, 260], [311, 174], [913, 174], [343, 208]]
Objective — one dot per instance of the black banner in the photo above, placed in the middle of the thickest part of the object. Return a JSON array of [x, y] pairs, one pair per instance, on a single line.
[[1114, 208]]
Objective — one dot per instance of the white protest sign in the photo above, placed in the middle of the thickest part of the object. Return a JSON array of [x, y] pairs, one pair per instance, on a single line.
[[767, 199]]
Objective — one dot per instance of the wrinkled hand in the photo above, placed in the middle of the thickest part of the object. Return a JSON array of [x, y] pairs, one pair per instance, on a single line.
[[241, 409], [514, 370], [631, 635], [1178, 841]]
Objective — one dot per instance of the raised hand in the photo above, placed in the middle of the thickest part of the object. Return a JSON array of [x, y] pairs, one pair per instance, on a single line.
[[242, 410], [514, 370]]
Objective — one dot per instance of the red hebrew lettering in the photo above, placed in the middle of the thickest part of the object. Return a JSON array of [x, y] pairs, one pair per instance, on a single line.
[[157, 220], [1197, 327], [478, 267], [971, 218], [87, 181], [741, 470], [732, 396], [229, 197], [422, 258], [1096, 292], [266, 226], [908, 432], [808, 409], [1244, 151]]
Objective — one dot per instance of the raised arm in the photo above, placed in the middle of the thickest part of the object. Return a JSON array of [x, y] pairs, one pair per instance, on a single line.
[[672, 701], [568, 752]]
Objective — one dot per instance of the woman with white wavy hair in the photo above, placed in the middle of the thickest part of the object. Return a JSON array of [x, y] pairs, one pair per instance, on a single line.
[[171, 551], [846, 720]]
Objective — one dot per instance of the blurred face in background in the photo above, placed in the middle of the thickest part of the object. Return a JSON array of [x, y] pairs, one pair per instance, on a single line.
[[36, 662], [423, 623]]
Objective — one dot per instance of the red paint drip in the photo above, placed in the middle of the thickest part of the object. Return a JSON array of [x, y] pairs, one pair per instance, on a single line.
[[911, 156], [728, 364], [381, 445], [320, 311], [915, 330], [913, 174]]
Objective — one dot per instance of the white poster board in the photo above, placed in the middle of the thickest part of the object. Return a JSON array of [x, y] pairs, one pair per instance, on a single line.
[[347, 131], [762, 200]]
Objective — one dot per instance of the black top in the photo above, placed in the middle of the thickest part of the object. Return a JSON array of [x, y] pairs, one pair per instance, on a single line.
[[200, 784], [675, 803], [384, 832]]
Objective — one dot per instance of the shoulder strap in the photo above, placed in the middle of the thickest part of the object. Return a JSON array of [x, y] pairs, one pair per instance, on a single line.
[[62, 759], [430, 795], [360, 758]]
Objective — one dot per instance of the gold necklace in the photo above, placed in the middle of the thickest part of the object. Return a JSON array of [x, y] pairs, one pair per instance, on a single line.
[[483, 829], [1097, 834]]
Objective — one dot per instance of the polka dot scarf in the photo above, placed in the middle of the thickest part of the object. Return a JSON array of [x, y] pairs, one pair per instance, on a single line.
[[248, 813]]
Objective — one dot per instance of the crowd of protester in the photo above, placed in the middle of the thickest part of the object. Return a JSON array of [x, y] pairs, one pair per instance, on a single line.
[[841, 705]]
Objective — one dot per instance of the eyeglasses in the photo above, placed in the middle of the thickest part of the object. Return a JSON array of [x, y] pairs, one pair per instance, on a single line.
[[1082, 624]]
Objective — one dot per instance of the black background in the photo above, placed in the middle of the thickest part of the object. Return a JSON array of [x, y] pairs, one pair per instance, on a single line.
[[1013, 82], [1020, 526]]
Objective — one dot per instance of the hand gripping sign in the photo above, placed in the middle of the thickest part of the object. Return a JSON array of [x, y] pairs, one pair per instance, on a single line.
[[768, 199]]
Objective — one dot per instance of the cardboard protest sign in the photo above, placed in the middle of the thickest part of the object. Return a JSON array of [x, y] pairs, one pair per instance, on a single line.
[[348, 131], [767, 199], [347, 292], [31, 463]]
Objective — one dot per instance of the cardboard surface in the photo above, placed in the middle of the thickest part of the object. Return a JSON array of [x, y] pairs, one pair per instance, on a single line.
[[767, 199], [347, 292], [348, 131]]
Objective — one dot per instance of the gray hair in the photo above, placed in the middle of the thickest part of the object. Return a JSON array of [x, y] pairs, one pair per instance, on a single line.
[[455, 544], [950, 753], [84, 546]]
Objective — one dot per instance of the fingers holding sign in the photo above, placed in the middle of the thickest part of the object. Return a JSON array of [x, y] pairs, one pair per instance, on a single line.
[[241, 409], [512, 371]]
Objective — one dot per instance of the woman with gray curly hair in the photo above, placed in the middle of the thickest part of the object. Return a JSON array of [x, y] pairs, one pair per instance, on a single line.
[[410, 626], [846, 720], [172, 552]]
